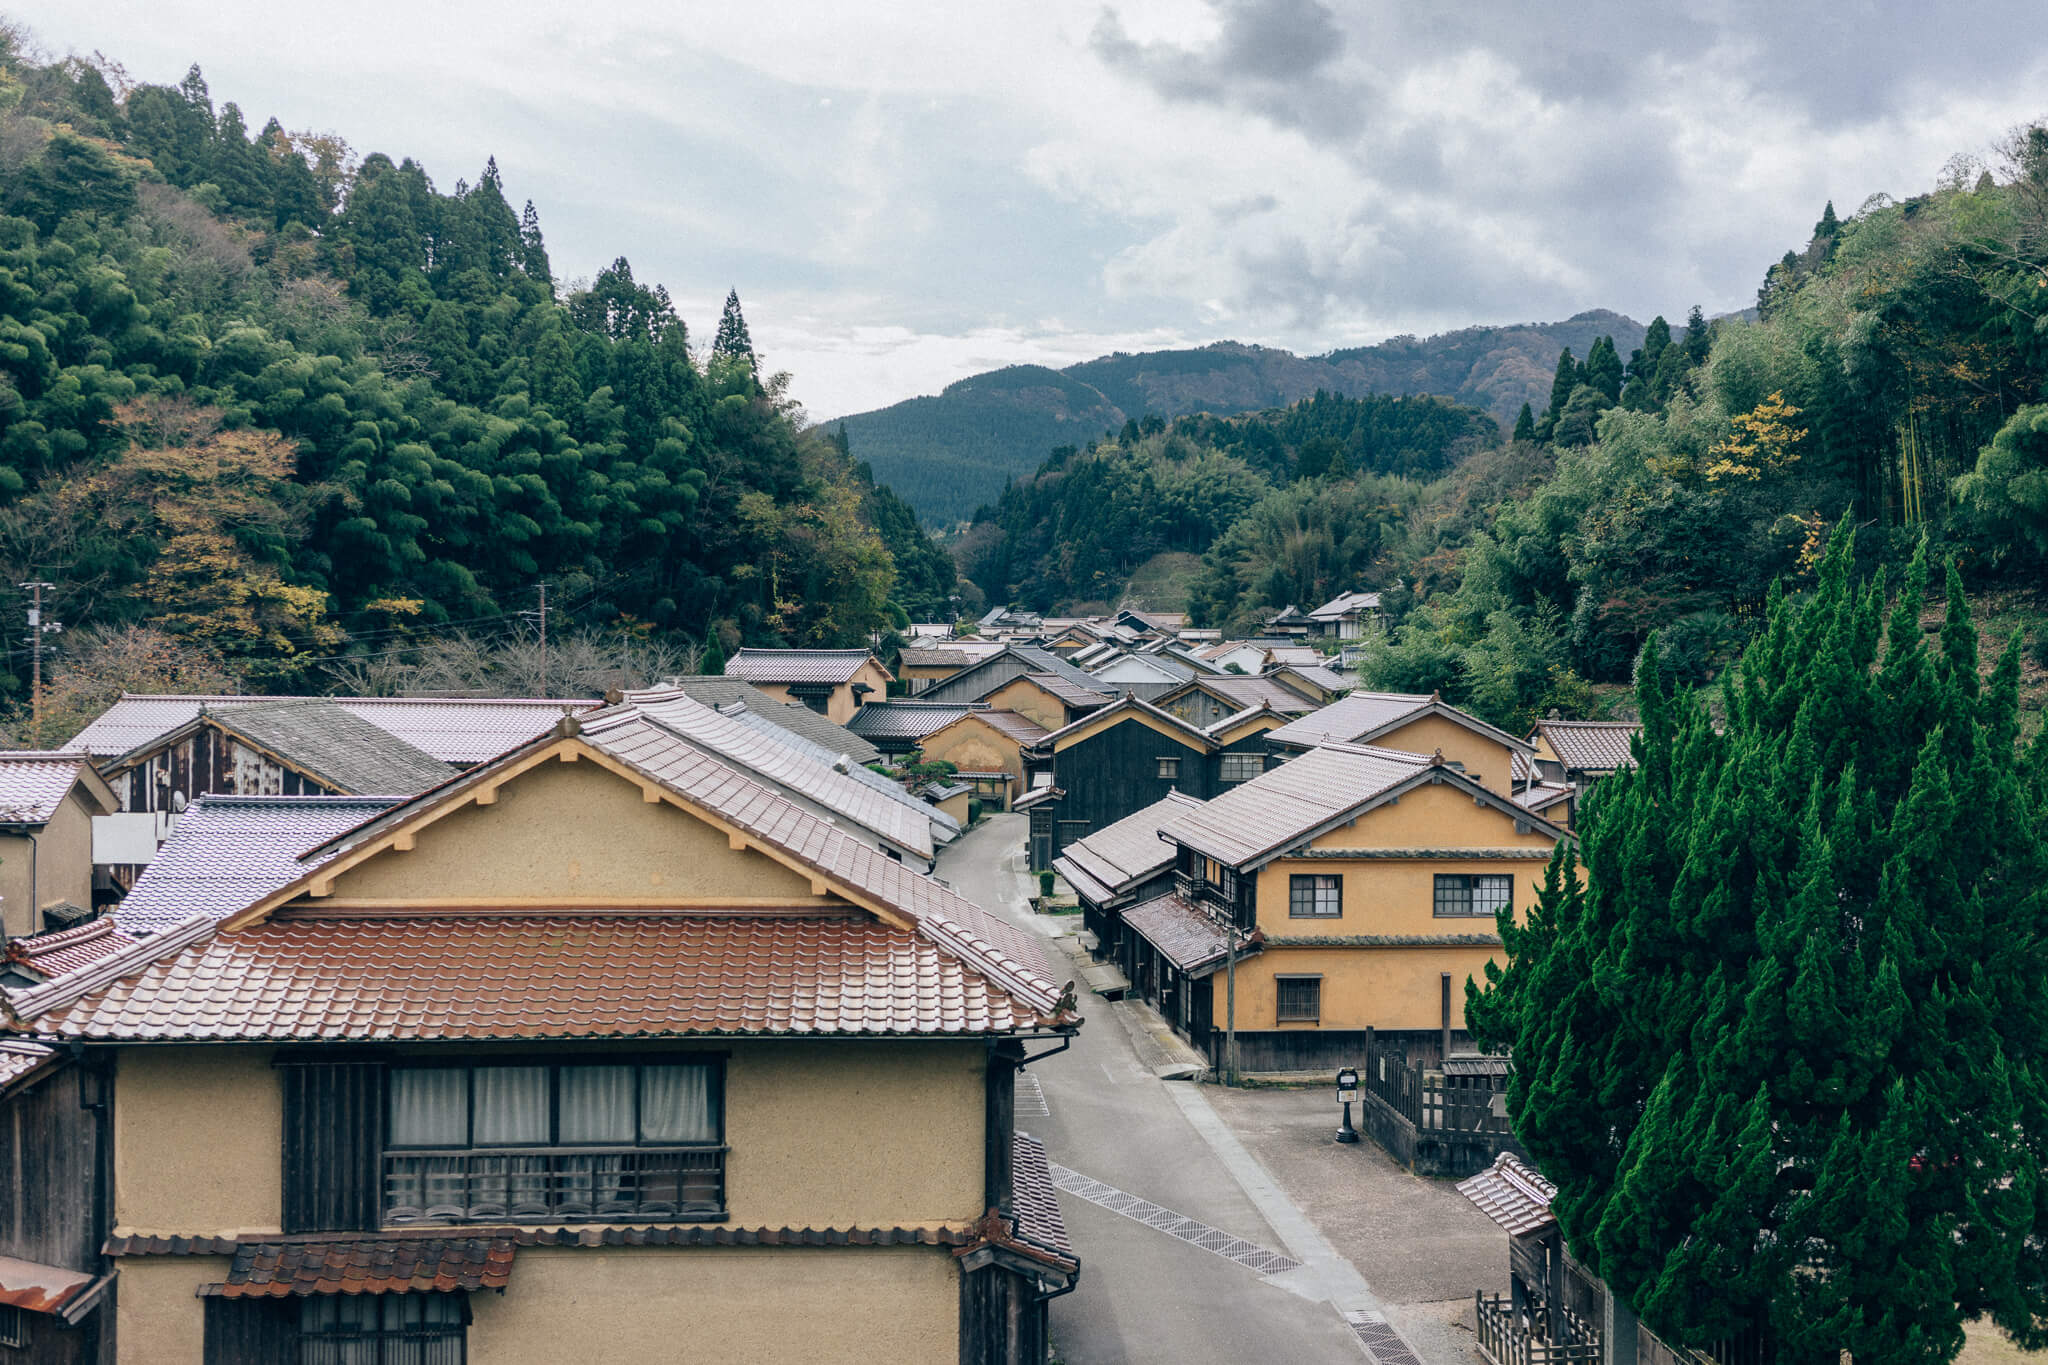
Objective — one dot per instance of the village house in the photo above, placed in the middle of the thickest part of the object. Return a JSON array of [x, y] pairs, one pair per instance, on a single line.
[[986, 749], [529, 1067], [1208, 699], [985, 679], [1418, 724], [919, 666], [1129, 755], [1347, 616], [1049, 700], [833, 682], [48, 803], [899, 726], [1120, 866], [55, 1285], [734, 696], [1354, 887], [1573, 755]]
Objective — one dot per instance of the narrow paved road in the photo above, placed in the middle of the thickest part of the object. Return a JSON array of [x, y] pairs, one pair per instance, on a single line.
[[1149, 1293]]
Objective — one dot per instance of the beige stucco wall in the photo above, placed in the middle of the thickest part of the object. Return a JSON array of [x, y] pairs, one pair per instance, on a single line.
[[54, 867], [160, 1320], [840, 707], [723, 1304], [1030, 701], [1383, 988], [973, 747], [1435, 815], [1388, 897], [1488, 761], [196, 1135], [571, 830], [18, 908]]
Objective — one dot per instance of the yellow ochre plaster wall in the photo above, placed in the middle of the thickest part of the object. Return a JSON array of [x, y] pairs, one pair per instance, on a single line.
[[1030, 701], [54, 867], [973, 747], [1436, 815], [1384, 988], [722, 1304], [1487, 761], [161, 1320], [197, 1132], [574, 830]]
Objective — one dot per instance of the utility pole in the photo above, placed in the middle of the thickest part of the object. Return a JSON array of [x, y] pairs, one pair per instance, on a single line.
[[37, 628], [542, 617]]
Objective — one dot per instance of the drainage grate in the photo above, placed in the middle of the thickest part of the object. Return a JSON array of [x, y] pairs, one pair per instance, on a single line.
[[1381, 1341], [1030, 1099], [1173, 1224]]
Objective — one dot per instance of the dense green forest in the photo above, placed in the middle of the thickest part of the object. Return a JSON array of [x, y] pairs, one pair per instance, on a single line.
[[955, 450], [1893, 372], [289, 406]]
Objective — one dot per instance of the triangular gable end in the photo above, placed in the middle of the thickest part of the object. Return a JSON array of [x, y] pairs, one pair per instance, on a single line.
[[561, 826]]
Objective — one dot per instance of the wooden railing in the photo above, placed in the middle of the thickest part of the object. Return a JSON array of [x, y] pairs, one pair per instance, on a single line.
[[580, 1185], [1510, 1338]]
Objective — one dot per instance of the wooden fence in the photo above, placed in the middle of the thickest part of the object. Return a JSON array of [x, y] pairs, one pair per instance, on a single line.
[[1509, 1338]]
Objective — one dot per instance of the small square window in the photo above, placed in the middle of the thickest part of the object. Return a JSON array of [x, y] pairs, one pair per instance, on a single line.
[[1315, 896], [1473, 896], [1300, 999], [1240, 767], [1169, 769]]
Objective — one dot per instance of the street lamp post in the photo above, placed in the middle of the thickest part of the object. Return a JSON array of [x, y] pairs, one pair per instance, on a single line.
[[1347, 1091]]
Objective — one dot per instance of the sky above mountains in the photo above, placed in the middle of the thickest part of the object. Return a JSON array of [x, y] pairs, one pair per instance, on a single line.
[[905, 194]]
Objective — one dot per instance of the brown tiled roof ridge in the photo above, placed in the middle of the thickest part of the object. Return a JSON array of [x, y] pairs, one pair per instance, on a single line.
[[30, 1003]]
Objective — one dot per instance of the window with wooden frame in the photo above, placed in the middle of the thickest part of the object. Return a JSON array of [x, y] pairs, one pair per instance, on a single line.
[[1300, 999], [1240, 767], [1169, 769], [545, 1142], [1462, 895], [382, 1329], [1315, 895]]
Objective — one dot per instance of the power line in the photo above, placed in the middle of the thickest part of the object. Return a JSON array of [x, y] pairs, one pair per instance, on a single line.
[[37, 629]]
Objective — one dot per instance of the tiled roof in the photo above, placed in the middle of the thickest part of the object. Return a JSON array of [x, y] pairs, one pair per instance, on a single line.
[[937, 656], [1158, 668], [1344, 604], [1591, 745], [1186, 937], [1196, 737], [1020, 728], [1294, 656], [944, 827], [1348, 717], [392, 1265], [1322, 675], [905, 719], [771, 759], [452, 729], [1129, 851], [493, 976], [1286, 803], [229, 851], [722, 692], [1542, 798], [1035, 1199], [337, 746], [33, 783], [39, 1288], [51, 955], [816, 666], [1070, 692], [18, 1057], [1513, 1194], [1250, 693]]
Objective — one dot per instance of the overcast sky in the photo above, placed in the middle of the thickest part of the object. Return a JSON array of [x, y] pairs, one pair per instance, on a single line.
[[905, 194]]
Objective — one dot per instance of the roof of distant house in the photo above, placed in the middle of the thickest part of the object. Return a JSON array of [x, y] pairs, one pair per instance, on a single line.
[[911, 656], [798, 666], [1186, 937], [1290, 802], [1346, 604], [1364, 716], [723, 692], [1250, 693], [34, 783], [904, 718], [944, 826], [1072, 693], [452, 729], [1120, 855], [330, 743], [1590, 745]]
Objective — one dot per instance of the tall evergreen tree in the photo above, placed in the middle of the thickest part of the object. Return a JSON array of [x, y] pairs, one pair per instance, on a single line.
[[1525, 425], [1603, 369], [1639, 393], [533, 252], [733, 341], [1784, 1049], [1828, 225], [1698, 338]]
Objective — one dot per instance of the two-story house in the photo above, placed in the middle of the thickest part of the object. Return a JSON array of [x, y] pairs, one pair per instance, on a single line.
[[602, 1050], [1572, 756], [1415, 723], [833, 682], [1352, 887], [1120, 866]]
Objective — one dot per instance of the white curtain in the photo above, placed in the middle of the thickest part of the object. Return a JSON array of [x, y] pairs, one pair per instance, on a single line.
[[511, 1106], [597, 1104], [430, 1107], [676, 1104]]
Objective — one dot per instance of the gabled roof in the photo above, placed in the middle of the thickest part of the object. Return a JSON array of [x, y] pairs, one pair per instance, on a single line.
[[1137, 707], [1070, 693], [1121, 855], [1020, 728], [227, 851], [1346, 604], [52, 955], [34, 783], [1594, 746], [1153, 665], [1363, 717], [936, 656], [1542, 797], [921, 960], [452, 729], [944, 827], [325, 741], [1329, 680], [1513, 1194], [21, 1058], [725, 693], [799, 666], [1245, 693], [967, 684], [770, 758], [902, 718]]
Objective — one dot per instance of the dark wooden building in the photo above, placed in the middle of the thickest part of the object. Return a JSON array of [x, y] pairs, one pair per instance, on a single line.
[[55, 1285]]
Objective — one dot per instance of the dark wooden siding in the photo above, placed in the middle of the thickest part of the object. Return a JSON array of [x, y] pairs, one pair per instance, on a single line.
[[1002, 1319], [1115, 773], [975, 683], [49, 1154], [333, 1146], [206, 763], [251, 1331]]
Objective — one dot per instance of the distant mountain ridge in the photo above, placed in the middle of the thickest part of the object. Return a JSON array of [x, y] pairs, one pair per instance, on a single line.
[[950, 453]]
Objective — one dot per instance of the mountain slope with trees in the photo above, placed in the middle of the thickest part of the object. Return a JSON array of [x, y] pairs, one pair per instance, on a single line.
[[956, 449], [288, 405]]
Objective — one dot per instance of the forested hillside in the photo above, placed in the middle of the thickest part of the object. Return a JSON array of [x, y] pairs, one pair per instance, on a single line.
[[1893, 374], [955, 450], [288, 405]]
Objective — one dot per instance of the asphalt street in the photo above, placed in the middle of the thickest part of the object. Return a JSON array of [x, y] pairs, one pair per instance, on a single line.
[[1145, 1294]]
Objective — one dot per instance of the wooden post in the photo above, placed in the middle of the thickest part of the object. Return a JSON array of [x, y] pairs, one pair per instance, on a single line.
[[1553, 1289], [1447, 1018], [1230, 1006]]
